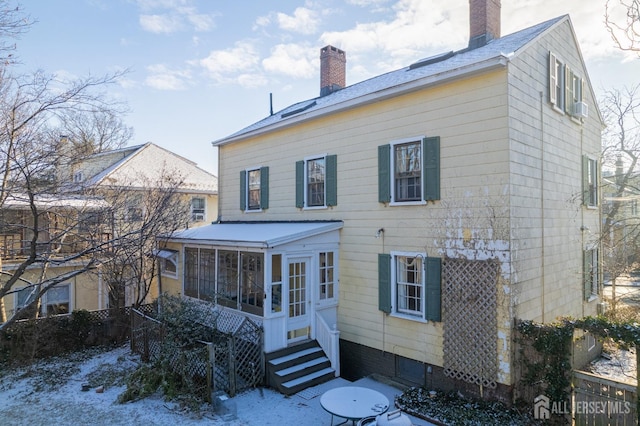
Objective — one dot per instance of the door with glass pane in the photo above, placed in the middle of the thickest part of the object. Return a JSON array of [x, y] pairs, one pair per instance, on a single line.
[[299, 304]]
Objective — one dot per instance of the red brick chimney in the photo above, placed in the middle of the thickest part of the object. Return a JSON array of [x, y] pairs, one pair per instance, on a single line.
[[484, 22], [332, 70]]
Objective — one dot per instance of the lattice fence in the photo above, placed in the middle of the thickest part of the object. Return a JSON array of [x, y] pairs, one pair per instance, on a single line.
[[232, 362], [470, 320]]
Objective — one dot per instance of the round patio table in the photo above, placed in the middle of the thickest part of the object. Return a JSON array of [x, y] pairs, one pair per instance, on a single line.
[[353, 403]]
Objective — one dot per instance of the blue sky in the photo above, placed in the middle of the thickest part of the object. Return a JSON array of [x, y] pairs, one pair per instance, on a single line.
[[203, 69]]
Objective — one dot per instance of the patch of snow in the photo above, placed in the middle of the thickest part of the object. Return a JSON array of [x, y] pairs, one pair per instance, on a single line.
[[24, 400], [620, 366]]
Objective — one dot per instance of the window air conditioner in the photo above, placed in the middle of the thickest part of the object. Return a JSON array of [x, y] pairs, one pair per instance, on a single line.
[[581, 110], [198, 217], [601, 308]]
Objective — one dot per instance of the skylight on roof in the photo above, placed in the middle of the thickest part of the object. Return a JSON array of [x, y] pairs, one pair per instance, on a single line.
[[431, 60], [298, 110]]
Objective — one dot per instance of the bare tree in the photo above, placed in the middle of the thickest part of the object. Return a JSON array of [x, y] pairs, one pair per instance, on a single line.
[[154, 208], [621, 153], [91, 132], [622, 19], [50, 228], [13, 23]]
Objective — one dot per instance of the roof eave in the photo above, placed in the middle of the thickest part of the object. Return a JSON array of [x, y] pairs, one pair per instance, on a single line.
[[496, 62]]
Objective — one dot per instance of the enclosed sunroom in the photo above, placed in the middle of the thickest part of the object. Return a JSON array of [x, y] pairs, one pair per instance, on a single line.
[[283, 275]]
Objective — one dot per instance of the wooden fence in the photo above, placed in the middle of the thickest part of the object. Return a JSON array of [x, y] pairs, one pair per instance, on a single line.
[[601, 401], [231, 362]]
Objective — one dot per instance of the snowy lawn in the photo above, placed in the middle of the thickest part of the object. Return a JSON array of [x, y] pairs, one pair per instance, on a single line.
[[51, 392]]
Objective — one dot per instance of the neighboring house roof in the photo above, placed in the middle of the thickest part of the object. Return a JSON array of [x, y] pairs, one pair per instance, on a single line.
[[426, 72], [254, 234], [22, 202], [144, 164]]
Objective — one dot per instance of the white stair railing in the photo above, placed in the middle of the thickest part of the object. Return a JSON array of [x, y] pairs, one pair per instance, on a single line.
[[329, 340]]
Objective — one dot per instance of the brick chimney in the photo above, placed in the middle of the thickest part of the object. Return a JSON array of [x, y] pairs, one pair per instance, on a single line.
[[332, 70], [484, 22]]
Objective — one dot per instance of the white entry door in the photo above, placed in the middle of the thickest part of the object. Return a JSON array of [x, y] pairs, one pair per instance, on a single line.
[[299, 315]]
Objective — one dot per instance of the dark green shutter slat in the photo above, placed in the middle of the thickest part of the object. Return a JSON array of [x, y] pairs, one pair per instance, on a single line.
[[331, 180], [585, 180], [264, 188], [299, 184], [586, 274], [433, 266], [243, 190], [384, 173], [384, 282], [431, 160]]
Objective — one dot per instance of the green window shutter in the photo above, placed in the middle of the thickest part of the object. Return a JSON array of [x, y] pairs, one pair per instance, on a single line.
[[433, 273], [586, 273], [585, 180], [299, 184], [553, 79], [431, 161], [264, 188], [384, 282], [331, 180], [243, 190], [567, 89], [384, 173]]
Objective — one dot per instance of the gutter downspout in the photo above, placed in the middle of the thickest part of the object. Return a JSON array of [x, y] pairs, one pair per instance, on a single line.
[[542, 215]]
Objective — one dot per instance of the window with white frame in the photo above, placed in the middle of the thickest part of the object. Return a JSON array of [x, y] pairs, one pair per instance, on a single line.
[[327, 275], [316, 182], [566, 88], [168, 263], [315, 178], [409, 284], [589, 181], [253, 190], [198, 209], [22, 297], [57, 300], [591, 273], [409, 171]]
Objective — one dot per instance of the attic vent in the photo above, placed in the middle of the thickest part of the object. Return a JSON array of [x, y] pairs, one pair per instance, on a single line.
[[298, 110], [432, 60]]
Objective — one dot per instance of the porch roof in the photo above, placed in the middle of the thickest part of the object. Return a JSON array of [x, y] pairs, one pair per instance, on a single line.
[[254, 234]]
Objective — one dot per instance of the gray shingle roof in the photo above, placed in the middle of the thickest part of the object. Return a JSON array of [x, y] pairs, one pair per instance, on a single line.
[[501, 49]]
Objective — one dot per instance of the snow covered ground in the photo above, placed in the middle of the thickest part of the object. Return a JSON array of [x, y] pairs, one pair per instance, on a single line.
[[52, 393]]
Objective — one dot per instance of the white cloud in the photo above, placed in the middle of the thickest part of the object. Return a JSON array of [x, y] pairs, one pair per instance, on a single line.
[[160, 23], [239, 64], [295, 60], [163, 78], [173, 16], [303, 21], [417, 27]]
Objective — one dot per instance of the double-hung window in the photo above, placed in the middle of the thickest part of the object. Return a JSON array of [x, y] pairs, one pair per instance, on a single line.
[[254, 189], [57, 300], [591, 273], [327, 275], [198, 209], [409, 285], [556, 82], [566, 89], [316, 182], [409, 171], [589, 181]]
